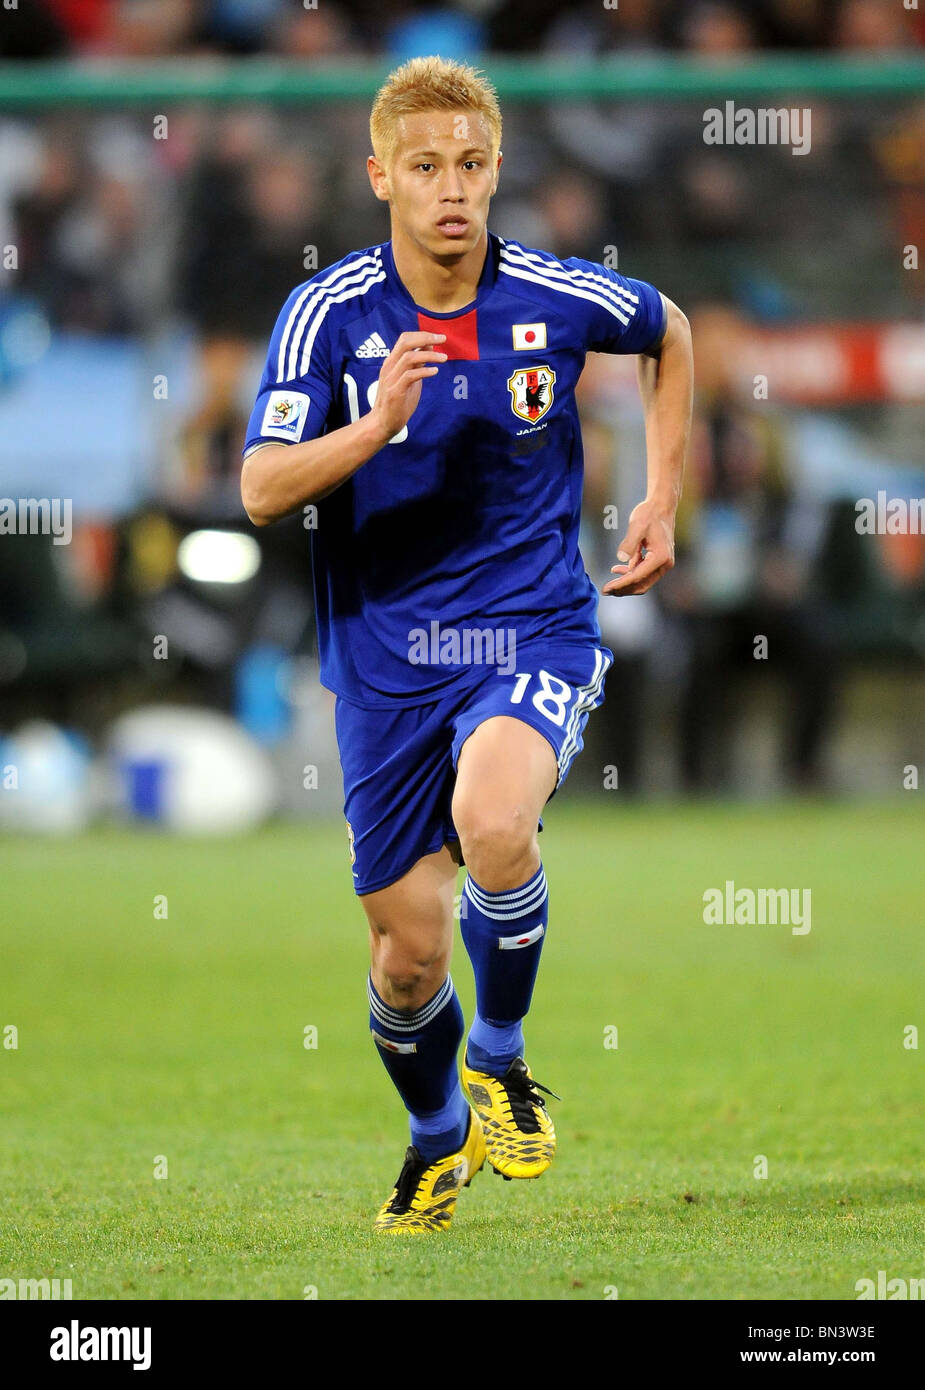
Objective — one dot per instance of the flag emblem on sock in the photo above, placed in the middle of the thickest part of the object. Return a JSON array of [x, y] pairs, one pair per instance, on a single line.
[[391, 1046], [515, 943]]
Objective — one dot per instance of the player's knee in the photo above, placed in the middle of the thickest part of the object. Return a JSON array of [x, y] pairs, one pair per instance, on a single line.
[[499, 846], [406, 978]]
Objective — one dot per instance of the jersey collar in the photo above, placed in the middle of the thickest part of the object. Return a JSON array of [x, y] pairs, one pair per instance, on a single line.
[[484, 287]]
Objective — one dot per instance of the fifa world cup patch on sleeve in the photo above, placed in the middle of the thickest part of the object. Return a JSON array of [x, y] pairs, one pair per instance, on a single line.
[[285, 414]]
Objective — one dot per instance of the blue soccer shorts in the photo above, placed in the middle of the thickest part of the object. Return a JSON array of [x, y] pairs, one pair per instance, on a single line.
[[399, 764]]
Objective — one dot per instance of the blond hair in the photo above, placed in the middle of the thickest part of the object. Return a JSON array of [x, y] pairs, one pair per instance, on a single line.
[[431, 84]]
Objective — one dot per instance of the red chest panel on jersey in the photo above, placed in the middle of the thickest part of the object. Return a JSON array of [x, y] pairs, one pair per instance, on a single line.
[[462, 340]]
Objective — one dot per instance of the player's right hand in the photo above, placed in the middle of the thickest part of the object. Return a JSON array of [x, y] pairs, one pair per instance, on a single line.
[[399, 388]]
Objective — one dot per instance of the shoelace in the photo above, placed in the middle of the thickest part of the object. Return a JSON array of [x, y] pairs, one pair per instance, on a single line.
[[522, 1095], [408, 1179]]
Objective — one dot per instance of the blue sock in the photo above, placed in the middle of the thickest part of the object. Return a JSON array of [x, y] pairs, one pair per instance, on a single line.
[[503, 934], [418, 1048]]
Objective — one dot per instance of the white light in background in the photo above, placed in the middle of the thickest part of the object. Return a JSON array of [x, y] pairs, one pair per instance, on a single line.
[[219, 557]]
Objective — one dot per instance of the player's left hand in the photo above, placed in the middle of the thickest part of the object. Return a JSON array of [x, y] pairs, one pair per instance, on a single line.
[[646, 551]]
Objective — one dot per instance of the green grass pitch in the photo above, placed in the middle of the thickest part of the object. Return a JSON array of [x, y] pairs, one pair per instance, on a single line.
[[140, 1037]]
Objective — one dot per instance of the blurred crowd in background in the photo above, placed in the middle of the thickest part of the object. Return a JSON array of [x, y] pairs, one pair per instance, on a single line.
[[149, 270], [401, 28]]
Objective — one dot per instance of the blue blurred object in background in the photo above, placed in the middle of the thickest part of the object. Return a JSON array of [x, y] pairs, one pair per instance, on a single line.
[[260, 702], [447, 32], [24, 337]]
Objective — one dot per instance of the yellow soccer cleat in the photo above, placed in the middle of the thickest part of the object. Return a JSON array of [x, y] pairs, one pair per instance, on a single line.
[[519, 1135], [424, 1197]]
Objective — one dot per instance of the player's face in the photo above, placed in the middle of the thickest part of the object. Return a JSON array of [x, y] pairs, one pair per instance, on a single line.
[[440, 180]]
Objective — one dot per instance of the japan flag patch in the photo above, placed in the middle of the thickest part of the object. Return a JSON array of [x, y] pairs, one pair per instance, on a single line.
[[285, 415], [529, 336], [390, 1045], [526, 938]]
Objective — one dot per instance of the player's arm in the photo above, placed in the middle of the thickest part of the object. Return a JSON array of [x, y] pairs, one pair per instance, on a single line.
[[666, 377], [278, 479]]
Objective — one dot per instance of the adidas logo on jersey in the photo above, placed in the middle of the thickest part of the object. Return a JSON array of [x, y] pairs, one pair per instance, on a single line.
[[373, 347]]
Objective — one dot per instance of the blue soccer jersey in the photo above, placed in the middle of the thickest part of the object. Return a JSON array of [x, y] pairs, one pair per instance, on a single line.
[[466, 523]]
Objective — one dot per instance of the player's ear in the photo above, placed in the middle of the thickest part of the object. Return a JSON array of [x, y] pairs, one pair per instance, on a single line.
[[494, 182], [378, 178]]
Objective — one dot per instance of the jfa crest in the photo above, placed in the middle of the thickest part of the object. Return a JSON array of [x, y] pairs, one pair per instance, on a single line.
[[531, 391]]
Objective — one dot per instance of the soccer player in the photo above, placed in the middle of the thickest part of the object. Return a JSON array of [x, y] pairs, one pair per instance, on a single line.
[[421, 393]]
